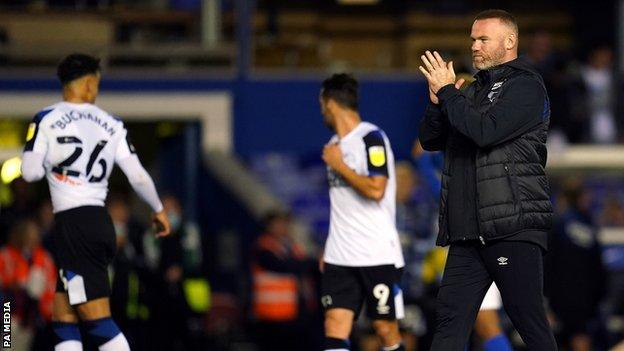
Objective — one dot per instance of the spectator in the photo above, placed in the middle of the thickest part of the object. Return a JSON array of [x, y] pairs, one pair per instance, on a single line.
[[27, 279], [181, 292], [576, 278], [281, 292], [612, 214], [21, 207], [598, 77], [540, 53], [565, 119], [131, 279], [45, 220], [611, 217], [415, 222], [429, 165]]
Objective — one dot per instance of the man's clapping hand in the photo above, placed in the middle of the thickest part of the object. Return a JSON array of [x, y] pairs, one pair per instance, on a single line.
[[438, 74]]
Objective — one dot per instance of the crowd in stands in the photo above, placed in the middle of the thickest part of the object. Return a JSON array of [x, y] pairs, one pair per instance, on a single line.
[[583, 93]]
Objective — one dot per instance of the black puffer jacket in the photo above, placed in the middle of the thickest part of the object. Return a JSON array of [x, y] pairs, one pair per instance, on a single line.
[[493, 135]]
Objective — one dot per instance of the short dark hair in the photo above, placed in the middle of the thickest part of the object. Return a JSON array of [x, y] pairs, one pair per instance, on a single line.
[[76, 66], [504, 16], [343, 89]]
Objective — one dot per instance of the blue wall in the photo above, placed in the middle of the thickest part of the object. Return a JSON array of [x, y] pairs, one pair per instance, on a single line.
[[283, 115]]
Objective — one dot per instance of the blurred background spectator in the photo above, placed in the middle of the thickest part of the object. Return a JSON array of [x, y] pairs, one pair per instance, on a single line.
[[597, 75], [28, 281], [20, 208], [284, 302], [575, 275], [416, 214], [131, 279], [180, 291]]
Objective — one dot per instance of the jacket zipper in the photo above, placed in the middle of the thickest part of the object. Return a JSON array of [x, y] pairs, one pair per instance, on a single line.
[[482, 96], [481, 238]]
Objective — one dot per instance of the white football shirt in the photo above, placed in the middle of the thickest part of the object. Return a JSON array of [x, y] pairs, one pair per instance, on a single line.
[[79, 145], [362, 232]]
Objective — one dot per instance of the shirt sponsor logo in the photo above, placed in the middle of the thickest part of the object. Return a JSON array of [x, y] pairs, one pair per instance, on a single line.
[[64, 178], [377, 156], [502, 261]]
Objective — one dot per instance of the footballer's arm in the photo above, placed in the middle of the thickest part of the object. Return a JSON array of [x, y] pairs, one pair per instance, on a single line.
[[372, 187]]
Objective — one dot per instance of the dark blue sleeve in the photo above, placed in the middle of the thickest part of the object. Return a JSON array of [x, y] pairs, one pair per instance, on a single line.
[[521, 106], [433, 129], [376, 155], [33, 130]]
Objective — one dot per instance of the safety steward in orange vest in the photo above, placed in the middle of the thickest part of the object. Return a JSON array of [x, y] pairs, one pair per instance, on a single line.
[[276, 294], [281, 288], [27, 272]]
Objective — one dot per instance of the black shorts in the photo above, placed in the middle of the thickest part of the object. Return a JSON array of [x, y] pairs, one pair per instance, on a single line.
[[84, 246], [350, 287]]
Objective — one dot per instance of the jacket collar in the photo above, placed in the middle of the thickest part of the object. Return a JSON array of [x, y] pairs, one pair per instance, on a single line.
[[497, 72]]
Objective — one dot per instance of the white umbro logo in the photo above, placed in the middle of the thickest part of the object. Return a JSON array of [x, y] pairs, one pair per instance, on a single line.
[[497, 85], [502, 261], [493, 91]]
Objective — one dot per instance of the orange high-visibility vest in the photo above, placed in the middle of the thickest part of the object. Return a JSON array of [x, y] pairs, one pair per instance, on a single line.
[[275, 295], [15, 270]]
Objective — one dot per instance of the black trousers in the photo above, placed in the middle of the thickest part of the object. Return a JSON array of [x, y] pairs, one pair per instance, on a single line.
[[516, 268]]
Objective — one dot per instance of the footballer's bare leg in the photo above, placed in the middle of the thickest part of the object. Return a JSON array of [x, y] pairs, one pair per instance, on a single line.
[[65, 324], [95, 316], [94, 309], [388, 332], [338, 324], [62, 310]]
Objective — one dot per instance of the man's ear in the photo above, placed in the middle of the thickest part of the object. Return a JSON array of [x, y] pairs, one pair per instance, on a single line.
[[331, 105], [90, 82], [510, 41]]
